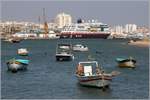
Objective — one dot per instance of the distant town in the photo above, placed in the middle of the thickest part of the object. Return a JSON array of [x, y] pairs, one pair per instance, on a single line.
[[63, 23]]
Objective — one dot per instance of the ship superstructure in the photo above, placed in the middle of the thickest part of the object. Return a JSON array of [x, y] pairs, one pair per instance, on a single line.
[[85, 30]]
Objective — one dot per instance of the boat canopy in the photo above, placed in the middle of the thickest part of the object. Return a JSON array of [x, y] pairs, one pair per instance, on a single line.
[[89, 63], [23, 61], [125, 59], [86, 62], [121, 59], [64, 44]]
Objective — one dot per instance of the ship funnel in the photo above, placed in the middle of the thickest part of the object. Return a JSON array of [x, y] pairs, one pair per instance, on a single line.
[[79, 21]]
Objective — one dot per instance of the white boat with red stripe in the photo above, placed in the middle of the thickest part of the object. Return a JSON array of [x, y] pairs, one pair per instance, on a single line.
[[90, 74]]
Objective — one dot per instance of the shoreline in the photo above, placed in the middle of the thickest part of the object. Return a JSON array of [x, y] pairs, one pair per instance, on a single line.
[[140, 43]]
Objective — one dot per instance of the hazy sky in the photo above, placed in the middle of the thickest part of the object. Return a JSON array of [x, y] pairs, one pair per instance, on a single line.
[[109, 12]]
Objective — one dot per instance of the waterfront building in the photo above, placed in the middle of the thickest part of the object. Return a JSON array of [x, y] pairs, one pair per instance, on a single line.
[[52, 26], [143, 29], [130, 28], [119, 29], [63, 19], [118, 32], [13, 26]]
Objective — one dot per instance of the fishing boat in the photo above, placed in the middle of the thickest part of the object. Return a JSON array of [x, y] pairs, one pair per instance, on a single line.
[[22, 52], [80, 47], [15, 40], [8, 40], [64, 52], [126, 62], [12, 40], [131, 41], [17, 64], [88, 73]]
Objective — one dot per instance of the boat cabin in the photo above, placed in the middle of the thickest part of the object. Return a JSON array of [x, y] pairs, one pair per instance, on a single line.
[[88, 68]]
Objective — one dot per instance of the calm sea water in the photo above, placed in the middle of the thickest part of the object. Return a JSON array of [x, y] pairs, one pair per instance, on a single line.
[[48, 79]]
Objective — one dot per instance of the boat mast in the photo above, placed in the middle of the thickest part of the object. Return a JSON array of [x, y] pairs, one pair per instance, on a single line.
[[45, 22]]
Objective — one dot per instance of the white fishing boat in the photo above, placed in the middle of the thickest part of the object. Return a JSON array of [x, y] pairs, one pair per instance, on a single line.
[[126, 62], [64, 52], [80, 47], [22, 52], [89, 74], [12, 40]]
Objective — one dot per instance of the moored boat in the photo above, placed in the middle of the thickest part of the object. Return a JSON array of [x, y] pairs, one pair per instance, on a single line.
[[8, 40], [22, 52], [89, 74], [17, 64], [126, 62], [80, 47], [64, 52], [15, 40]]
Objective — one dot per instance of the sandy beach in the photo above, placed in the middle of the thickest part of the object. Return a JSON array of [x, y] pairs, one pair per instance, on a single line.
[[140, 43]]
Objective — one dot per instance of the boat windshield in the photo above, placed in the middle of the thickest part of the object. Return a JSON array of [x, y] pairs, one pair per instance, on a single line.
[[88, 68], [64, 48]]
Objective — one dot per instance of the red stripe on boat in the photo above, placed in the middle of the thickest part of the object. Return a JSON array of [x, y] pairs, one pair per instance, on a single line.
[[87, 80]]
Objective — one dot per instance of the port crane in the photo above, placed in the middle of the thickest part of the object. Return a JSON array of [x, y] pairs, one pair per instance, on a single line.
[[45, 23]]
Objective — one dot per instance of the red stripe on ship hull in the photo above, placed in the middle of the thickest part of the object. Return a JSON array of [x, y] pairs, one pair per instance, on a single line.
[[84, 35]]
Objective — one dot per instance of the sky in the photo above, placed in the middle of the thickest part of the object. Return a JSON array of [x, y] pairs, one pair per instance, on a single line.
[[109, 11]]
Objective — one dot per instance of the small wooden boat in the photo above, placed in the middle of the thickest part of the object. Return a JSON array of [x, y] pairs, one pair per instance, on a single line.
[[80, 47], [22, 52], [12, 40], [64, 52], [17, 64], [126, 62], [8, 40], [89, 74]]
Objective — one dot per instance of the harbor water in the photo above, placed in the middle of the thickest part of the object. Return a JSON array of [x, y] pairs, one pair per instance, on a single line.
[[48, 79]]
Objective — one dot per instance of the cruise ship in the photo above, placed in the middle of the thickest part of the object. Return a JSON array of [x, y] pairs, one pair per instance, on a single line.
[[85, 30]]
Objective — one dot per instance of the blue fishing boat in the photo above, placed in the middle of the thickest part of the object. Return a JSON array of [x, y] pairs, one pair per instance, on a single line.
[[17, 64], [126, 62]]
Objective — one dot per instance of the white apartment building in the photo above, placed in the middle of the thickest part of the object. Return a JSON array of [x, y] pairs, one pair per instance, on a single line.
[[119, 29], [63, 19], [130, 28]]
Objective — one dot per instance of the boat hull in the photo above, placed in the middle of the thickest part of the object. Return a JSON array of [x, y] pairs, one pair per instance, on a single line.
[[23, 54], [14, 67], [14, 41], [95, 81], [64, 58], [80, 49], [128, 64], [84, 35]]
